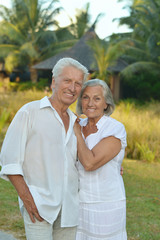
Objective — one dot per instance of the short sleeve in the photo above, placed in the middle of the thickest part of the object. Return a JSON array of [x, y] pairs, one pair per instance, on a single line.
[[117, 130]]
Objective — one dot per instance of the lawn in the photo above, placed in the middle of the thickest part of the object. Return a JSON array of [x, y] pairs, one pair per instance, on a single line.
[[142, 182]]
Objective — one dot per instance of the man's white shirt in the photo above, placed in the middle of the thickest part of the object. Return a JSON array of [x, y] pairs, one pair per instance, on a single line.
[[37, 147]]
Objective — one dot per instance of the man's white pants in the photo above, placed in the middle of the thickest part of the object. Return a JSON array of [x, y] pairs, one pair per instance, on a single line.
[[45, 231]]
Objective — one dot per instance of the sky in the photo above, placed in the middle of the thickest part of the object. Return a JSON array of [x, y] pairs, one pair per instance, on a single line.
[[105, 27]]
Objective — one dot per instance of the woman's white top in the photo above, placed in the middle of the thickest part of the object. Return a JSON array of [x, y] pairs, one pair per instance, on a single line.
[[104, 184]]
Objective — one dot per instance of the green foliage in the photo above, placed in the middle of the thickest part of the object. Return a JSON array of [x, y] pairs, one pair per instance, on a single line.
[[144, 86], [143, 135], [25, 36], [12, 101], [25, 26], [4, 116], [140, 49], [145, 152], [105, 54], [82, 22], [100, 49], [141, 121], [10, 217], [41, 85], [142, 191]]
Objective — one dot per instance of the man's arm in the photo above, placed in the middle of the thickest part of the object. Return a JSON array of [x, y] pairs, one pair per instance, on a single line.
[[25, 195]]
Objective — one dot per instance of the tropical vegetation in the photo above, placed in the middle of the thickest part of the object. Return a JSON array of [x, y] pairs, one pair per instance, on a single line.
[[141, 122], [140, 48], [24, 31], [30, 33]]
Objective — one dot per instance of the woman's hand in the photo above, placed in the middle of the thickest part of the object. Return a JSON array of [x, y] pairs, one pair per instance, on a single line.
[[77, 127]]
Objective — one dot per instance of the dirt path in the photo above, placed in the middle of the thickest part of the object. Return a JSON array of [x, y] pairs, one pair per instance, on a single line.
[[6, 236]]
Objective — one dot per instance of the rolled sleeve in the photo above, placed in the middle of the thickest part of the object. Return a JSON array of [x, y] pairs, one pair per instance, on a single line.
[[13, 148], [11, 169]]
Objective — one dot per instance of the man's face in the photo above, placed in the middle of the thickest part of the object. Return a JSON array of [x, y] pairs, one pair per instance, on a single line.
[[68, 85]]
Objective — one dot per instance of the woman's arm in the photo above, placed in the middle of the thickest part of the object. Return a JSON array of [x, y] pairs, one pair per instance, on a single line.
[[103, 152]]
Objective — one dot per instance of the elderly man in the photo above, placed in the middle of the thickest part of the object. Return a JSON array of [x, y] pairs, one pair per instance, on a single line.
[[38, 156]]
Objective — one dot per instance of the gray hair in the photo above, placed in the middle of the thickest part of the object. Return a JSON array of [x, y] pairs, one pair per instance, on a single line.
[[66, 62], [106, 93]]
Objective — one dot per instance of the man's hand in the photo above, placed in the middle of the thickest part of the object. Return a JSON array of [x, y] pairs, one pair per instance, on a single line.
[[25, 195], [121, 171], [30, 206]]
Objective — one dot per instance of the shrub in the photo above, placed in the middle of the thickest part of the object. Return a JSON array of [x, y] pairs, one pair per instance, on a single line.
[[141, 121], [4, 116], [143, 134]]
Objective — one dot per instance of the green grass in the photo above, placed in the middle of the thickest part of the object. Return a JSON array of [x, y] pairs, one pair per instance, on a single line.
[[142, 183], [10, 217]]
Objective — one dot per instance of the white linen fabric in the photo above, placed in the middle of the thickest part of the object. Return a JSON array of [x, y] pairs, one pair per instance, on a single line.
[[46, 231], [37, 147], [102, 221], [101, 192]]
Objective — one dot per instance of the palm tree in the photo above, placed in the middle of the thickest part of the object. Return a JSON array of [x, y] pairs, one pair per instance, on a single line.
[[25, 27], [140, 48], [82, 22], [103, 55]]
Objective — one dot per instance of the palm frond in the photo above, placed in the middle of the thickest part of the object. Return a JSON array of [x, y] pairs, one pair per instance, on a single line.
[[6, 49], [29, 49], [138, 67], [12, 61], [13, 33]]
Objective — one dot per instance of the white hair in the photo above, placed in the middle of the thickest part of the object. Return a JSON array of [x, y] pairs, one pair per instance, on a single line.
[[66, 62]]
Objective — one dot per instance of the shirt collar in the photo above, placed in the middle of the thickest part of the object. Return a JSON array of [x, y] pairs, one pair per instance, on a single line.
[[44, 102], [98, 124], [101, 121]]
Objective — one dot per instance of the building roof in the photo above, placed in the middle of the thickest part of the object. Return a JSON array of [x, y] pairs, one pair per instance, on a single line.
[[81, 51]]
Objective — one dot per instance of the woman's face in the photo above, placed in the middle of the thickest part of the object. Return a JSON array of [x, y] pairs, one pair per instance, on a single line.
[[93, 102]]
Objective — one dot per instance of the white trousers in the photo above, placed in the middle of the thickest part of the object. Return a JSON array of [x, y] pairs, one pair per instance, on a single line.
[[45, 231]]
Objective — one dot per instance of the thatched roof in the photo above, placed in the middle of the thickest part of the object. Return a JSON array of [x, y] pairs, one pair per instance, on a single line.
[[81, 51]]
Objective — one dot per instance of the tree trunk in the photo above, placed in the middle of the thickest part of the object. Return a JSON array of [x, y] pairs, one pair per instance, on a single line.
[[34, 75]]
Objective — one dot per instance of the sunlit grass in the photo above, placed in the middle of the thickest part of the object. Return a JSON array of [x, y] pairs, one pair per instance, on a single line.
[[141, 122], [143, 131], [10, 217], [142, 181]]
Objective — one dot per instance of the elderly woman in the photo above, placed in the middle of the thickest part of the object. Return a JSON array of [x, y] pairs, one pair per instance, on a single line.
[[102, 141]]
